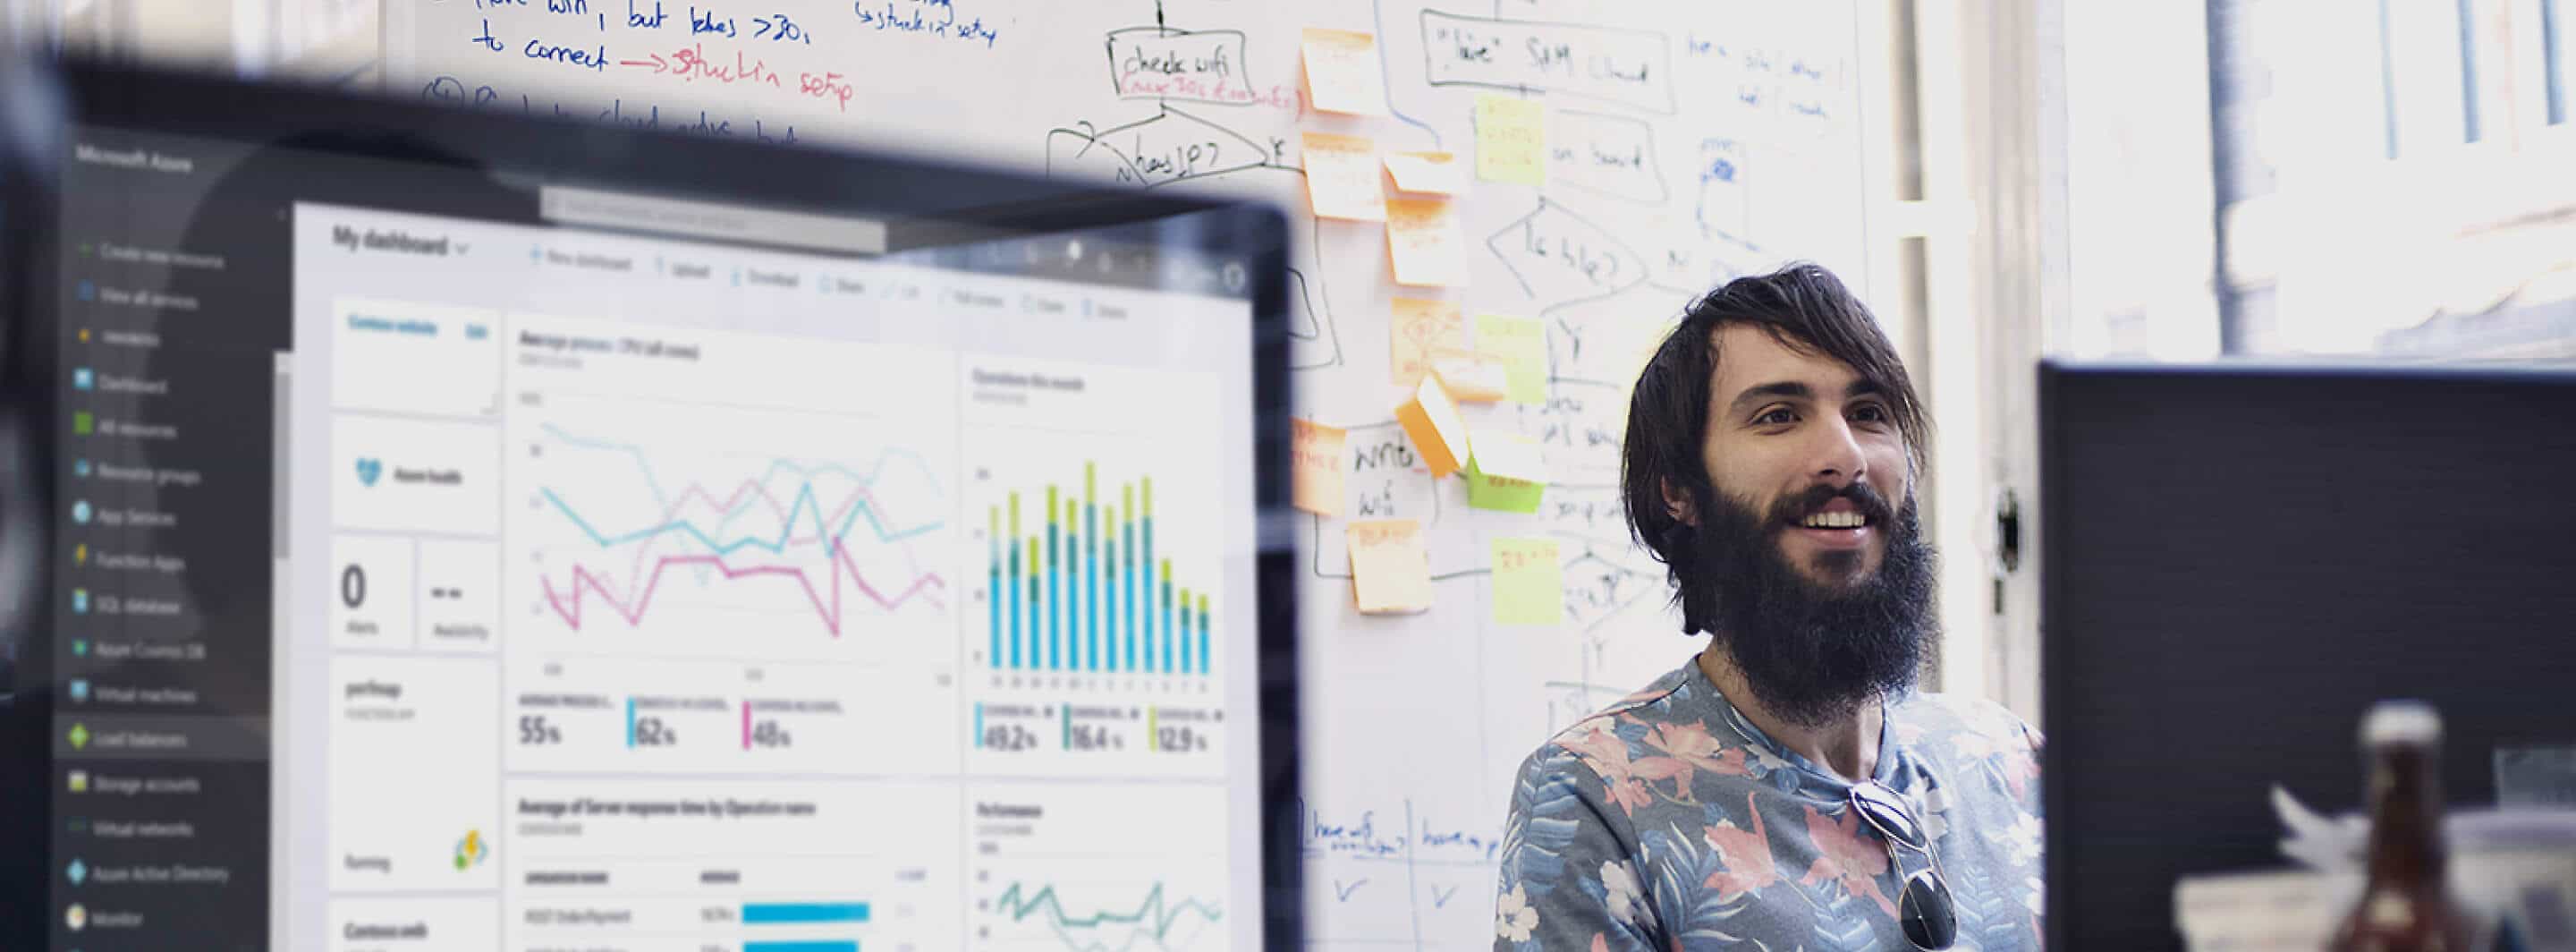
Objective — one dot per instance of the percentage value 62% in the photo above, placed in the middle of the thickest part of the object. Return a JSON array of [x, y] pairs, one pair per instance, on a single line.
[[651, 732]]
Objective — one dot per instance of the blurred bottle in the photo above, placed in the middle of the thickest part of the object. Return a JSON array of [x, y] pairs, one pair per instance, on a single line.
[[2408, 905]]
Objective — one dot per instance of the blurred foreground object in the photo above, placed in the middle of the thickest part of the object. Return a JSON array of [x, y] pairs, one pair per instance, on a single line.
[[2514, 867], [2408, 904], [2237, 561]]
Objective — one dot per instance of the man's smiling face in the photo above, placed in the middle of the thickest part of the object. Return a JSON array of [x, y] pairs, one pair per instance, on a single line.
[[1810, 448]]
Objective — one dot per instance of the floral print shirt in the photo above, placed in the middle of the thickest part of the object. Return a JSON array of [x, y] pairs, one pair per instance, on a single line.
[[1670, 822]]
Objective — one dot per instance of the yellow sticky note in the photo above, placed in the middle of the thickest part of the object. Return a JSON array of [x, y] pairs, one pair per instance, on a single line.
[[1342, 73], [1390, 566], [1470, 376], [1416, 328], [1422, 239], [1341, 177], [1529, 583], [1521, 344], [1315, 457], [1506, 473], [1439, 433], [1511, 140], [1438, 173]]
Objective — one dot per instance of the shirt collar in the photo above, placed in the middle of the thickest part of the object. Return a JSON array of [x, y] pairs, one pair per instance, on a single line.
[[1812, 777]]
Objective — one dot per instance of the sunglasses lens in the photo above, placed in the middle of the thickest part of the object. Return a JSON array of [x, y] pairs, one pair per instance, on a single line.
[[1930, 920], [1887, 811]]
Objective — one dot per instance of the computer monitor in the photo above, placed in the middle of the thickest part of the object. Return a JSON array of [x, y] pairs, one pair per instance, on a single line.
[[474, 532], [2237, 561]]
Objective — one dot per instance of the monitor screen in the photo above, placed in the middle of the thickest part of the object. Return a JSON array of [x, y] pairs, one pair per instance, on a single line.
[[2238, 560], [463, 541]]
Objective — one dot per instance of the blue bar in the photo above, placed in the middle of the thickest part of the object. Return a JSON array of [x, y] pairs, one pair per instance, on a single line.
[[1149, 594], [1055, 588], [1070, 594], [1091, 575], [1109, 609], [822, 945], [1037, 600], [1127, 550], [979, 723], [1072, 582], [630, 722], [1188, 664], [1204, 644], [786, 913], [1015, 603], [993, 601], [1167, 627]]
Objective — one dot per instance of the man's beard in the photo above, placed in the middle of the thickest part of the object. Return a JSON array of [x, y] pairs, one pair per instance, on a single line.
[[1812, 653]]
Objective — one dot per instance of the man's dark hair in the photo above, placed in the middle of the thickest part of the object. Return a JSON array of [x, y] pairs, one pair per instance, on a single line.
[[1805, 308]]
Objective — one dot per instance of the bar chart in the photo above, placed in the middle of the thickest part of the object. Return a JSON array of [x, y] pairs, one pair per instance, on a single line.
[[740, 864], [1094, 580], [1075, 583], [756, 915]]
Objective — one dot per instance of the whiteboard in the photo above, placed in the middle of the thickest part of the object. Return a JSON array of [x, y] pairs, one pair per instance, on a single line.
[[1687, 141]]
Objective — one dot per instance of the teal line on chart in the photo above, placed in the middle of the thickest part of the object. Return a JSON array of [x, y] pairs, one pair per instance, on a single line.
[[1151, 916], [644, 462], [804, 502], [662, 498]]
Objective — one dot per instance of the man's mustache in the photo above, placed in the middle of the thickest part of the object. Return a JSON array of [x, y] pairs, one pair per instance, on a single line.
[[1794, 508]]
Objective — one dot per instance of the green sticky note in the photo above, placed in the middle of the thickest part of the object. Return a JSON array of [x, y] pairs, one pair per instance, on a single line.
[[1506, 472], [1529, 584], [1521, 344], [1501, 493]]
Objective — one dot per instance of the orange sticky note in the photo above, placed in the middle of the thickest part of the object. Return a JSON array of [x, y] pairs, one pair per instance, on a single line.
[[1416, 329], [1438, 173], [1342, 73], [1315, 457], [1341, 177], [1472, 377], [1390, 566], [1439, 433], [1422, 238], [1511, 140]]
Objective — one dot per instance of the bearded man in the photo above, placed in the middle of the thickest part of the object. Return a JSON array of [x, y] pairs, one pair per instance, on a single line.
[[1786, 788]]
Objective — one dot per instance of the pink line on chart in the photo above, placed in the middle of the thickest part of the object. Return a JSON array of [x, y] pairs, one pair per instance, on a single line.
[[635, 569], [583, 579]]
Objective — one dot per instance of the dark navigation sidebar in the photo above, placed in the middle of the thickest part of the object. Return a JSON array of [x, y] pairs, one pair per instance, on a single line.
[[173, 303]]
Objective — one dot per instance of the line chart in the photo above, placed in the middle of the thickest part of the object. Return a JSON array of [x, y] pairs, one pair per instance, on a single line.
[[1153, 922], [830, 534], [713, 524]]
